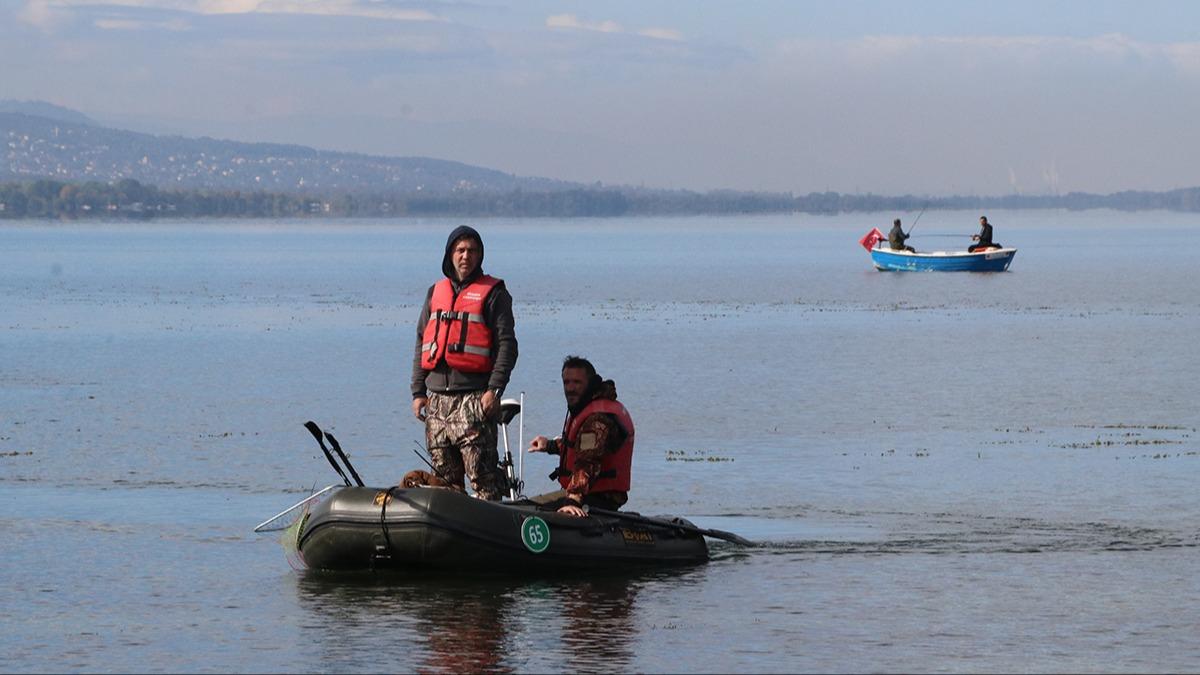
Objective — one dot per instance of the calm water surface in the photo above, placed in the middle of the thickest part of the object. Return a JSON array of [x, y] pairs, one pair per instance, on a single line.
[[950, 472]]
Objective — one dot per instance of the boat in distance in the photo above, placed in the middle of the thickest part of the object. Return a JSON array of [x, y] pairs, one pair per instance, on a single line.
[[367, 528], [986, 260]]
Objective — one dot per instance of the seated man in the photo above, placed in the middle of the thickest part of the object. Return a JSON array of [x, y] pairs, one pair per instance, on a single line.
[[896, 238], [596, 446], [984, 237]]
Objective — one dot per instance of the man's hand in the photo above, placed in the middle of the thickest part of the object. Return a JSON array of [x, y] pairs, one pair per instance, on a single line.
[[419, 404], [490, 403], [539, 444], [572, 510]]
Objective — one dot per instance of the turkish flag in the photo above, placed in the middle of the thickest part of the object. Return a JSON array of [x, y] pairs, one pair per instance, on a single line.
[[868, 242]]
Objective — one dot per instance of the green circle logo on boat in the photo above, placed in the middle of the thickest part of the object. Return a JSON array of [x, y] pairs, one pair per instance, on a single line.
[[535, 534]]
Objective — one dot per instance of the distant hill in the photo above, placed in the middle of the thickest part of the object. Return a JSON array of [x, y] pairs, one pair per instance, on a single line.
[[47, 110], [56, 162], [40, 140]]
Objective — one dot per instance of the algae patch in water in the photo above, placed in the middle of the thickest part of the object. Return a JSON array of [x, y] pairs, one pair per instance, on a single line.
[[695, 456]]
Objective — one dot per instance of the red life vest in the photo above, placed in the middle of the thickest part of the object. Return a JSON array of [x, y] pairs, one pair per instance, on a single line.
[[615, 466], [456, 330]]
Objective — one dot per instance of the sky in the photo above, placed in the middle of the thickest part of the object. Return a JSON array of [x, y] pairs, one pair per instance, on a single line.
[[857, 96]]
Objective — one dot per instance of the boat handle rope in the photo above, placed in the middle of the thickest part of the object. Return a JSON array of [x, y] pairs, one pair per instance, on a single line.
[[387, 535]]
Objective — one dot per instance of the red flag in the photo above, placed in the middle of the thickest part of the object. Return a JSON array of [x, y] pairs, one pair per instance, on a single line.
[[868, 242]]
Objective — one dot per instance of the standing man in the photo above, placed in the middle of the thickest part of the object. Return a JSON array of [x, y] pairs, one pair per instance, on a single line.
[[984, 236], [596, 447], [466, 350]]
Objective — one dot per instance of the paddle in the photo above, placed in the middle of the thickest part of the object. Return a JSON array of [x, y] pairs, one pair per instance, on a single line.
[[345, 460], [320, 436], [715, 534]]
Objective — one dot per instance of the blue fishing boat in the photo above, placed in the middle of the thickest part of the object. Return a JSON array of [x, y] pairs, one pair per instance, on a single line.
[[992, 259], [988, 260]]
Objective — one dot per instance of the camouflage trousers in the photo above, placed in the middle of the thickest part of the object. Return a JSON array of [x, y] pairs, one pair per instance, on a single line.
[[462, 442]]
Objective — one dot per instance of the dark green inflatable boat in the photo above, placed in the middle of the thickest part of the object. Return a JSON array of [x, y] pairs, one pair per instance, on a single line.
[[365, 528]]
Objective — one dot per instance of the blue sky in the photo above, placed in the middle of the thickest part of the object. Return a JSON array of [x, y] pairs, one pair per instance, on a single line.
[[887, 97]]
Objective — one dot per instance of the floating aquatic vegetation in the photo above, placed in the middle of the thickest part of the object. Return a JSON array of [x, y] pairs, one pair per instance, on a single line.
[[228, 434], [695, 456], [1156, 427], [1099, 442], [1163, 455], [1131, 435]]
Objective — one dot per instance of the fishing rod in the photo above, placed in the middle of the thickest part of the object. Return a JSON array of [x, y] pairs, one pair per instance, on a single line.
[[430, 464], [914, 225]]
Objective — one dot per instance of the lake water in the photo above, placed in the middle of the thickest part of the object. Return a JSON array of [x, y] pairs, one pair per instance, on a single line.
[[950, 472]]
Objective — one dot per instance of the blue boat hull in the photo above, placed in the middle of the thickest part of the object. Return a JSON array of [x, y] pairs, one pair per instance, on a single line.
[[992, 260]]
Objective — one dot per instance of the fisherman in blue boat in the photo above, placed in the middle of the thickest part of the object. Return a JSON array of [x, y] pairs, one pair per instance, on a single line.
[[466, 349], [984, 237], [595, 449], [896, 238]]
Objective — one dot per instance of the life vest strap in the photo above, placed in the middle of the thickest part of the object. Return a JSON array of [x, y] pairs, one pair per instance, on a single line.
[[468, 349], [563, 471], [448, 315]]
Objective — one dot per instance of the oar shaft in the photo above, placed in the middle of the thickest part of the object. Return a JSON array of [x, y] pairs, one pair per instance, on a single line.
[[345, 460], [320, 436], [715, 534]]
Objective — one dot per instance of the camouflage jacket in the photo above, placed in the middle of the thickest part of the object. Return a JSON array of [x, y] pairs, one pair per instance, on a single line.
[[599, 435]]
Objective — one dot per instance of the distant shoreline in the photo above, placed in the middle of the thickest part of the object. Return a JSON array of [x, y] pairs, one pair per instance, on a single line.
[[131, 200]]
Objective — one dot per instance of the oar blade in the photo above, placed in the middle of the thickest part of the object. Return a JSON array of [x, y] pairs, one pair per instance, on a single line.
[[315, 431], [727, 536], [320, 436]]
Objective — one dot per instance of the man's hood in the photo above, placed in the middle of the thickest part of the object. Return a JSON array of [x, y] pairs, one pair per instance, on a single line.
[[598, 388], [458, 233]]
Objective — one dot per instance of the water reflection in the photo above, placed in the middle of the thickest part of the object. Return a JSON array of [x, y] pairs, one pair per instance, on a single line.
[[598, 628], [443, 623]]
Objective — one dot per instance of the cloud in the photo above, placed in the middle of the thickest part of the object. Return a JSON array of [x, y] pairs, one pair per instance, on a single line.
[[662, 34], [46, 13], [572, 22], [1185, 56], [1035, 51], [393, 11], [174, 25]]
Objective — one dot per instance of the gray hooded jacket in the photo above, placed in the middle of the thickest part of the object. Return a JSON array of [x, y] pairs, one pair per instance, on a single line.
[[497, 313]]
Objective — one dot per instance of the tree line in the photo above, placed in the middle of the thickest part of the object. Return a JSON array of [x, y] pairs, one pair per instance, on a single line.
[[130, 199]]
